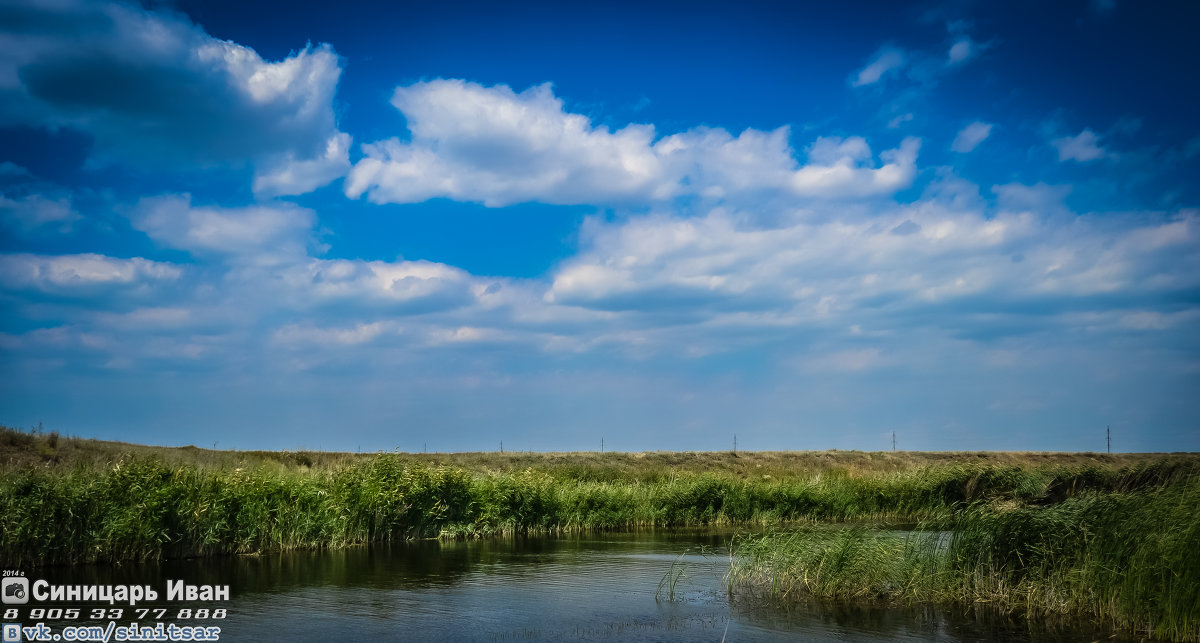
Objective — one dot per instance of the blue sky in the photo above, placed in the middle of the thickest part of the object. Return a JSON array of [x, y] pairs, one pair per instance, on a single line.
[[367, 226]]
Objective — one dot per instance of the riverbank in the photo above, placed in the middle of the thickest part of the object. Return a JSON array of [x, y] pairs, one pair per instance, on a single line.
[[1107, 537], [1127, 558], [65, 500]]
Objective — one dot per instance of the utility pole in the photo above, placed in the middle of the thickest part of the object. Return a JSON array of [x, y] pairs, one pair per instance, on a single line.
[[735, 443], [601, 445], [1108, 437], [893, 441], [502, 446]]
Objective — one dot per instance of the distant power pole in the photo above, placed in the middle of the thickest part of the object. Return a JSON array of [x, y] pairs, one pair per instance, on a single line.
[[1108, 437], [502, 446], [893, 441], [601, 445], [735, 443]]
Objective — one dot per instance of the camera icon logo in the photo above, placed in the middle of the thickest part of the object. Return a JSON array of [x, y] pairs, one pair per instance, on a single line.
[[15, 590]]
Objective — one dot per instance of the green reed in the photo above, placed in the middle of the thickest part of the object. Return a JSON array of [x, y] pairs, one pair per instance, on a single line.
[[1127, 556], [143, 507]]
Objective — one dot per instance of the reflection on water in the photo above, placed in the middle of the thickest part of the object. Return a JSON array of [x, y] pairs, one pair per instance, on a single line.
[[594, 587]]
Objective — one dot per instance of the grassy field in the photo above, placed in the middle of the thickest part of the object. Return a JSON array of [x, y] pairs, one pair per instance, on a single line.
[[21, 449], [1112, 538]]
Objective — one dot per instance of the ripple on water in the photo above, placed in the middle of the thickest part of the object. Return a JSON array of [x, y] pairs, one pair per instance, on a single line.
[[581, 588]]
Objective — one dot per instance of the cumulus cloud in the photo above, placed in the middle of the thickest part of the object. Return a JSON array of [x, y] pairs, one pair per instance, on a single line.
[[496, 146], [291, 176], [837, 288], [887, 60], [79, 272], [971, 136], [263, 234], [842, 169], [408, 285], [884, 269], [1083, 147], [153, 88], [266, 257], [816, 266]]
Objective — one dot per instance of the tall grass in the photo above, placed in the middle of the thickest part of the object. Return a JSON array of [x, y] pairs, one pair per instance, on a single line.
[[143, 507], [1128, 557]]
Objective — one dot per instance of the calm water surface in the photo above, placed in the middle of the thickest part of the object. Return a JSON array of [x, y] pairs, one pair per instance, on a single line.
[[597, 587]]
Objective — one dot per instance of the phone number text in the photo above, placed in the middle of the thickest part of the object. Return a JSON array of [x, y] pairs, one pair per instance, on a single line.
[[115, 613]]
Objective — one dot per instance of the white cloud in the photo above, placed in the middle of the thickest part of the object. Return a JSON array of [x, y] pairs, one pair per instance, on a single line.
[[461, 335], [35, 211], [1083, 147], [148, 318], [154, 88], [261, 234], [848, 176], [971, 136], [292, 176], [900, 120], [379, 282], [847, 361], [66, 272], [493, 145], [1039, 197], [299, 335], [1155, 320], [960, 51], [887, 266], [58, 337], [712, 162], [497, 147], [885, 61]]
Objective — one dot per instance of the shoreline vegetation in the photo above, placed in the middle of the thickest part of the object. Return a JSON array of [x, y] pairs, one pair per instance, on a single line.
[[1112, 539]]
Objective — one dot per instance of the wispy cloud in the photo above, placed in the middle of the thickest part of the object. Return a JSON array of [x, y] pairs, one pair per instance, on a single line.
[[960, 51], [971, 136], [34, 211], [1082, 147], [886, 61]]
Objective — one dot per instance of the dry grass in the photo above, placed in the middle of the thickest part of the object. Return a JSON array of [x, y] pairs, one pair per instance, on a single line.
[[24, 449]]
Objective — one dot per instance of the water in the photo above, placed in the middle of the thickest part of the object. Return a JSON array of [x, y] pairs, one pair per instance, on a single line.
[[597, 587]]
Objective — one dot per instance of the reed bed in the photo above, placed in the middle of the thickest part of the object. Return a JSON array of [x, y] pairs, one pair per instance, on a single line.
[[1125, 555], [143, 506]]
